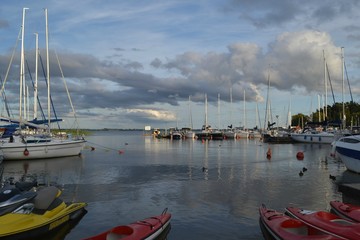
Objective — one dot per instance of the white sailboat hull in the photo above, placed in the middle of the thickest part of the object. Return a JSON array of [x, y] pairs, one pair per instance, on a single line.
[[230, 135], [52, 149]]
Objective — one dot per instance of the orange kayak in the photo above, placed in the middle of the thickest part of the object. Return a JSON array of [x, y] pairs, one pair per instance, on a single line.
[[149, 228]]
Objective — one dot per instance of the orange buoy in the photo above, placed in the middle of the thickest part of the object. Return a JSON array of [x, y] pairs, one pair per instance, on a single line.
[[300, 155], [26, 152], [268, 153]]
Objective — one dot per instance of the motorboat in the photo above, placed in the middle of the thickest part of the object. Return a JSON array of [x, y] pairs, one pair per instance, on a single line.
[[309, 135], [348, 150]]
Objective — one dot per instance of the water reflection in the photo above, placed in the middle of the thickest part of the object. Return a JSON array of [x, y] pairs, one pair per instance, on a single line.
[[62, 231], [204, 184], [65, 170]]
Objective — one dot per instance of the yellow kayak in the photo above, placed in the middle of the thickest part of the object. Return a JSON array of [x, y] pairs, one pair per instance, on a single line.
[[45, 213]]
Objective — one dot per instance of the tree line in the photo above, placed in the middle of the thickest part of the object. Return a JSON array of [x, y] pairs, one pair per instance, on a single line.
[[334, 115]]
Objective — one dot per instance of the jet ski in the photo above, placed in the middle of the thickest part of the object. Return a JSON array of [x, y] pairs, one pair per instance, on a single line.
[[44, 213], [14, 195]]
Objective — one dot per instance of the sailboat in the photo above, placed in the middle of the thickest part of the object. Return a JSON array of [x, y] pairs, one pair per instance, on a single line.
[[230, 133], [187, 131], [242, 132], [39, 143], [255, 133], [205, 133], [318, 132]]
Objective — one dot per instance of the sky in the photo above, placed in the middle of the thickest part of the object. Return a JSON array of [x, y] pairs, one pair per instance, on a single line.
[[130, 64]]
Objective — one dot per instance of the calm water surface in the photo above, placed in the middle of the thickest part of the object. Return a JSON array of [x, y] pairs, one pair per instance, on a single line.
[[212, 189]]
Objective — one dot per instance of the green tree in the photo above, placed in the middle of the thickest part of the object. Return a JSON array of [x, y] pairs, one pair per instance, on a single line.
[[334, 115]]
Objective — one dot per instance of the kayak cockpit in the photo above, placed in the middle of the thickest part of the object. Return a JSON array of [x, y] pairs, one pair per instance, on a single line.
[[119, 232]]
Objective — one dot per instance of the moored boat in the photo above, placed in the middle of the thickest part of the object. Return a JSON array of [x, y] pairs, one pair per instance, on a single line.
[[149, 228], [217, 135], [188, 133], [348, 149], [346, 210], [34, 146], [276, 225], [25, 148], [275, 136], [230, 134], [175, 135], [242, 134], [312, 136], [327, 222]]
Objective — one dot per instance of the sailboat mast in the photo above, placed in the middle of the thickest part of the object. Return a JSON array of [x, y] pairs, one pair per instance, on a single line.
[[267, 102], [319, 114], [36, 73], [22, 64], [244, 112], [289, 115], [231, 110], [47, 66], [325, 84], [190, 118], [257, 115], [206, 120], [343, 104], [218, 110]]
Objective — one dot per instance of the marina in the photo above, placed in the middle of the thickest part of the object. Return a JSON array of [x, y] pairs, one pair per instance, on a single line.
[[124, 176], [220, 167]]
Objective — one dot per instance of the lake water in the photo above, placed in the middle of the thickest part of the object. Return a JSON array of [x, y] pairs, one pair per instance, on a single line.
[[212, 189]]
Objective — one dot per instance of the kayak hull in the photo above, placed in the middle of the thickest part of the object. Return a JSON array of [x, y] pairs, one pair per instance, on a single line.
[[149, 228], [346, 210], [276, 225], [327, 222]]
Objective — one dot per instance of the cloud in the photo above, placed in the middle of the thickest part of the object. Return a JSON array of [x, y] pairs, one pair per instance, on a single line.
[[294, 61], [265, 14]]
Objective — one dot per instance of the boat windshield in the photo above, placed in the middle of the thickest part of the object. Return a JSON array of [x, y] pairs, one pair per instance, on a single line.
[[350, 140]]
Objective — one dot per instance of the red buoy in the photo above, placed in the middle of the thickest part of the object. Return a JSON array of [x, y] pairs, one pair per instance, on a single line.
[[300, 155], [26, 152], [268, 153]]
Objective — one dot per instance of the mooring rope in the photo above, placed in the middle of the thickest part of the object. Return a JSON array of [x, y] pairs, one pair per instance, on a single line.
[[102, 146]]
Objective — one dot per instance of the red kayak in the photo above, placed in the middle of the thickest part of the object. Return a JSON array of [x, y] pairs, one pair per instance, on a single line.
[[149, 228], [276, 225], [327, 222], [346, 210]]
